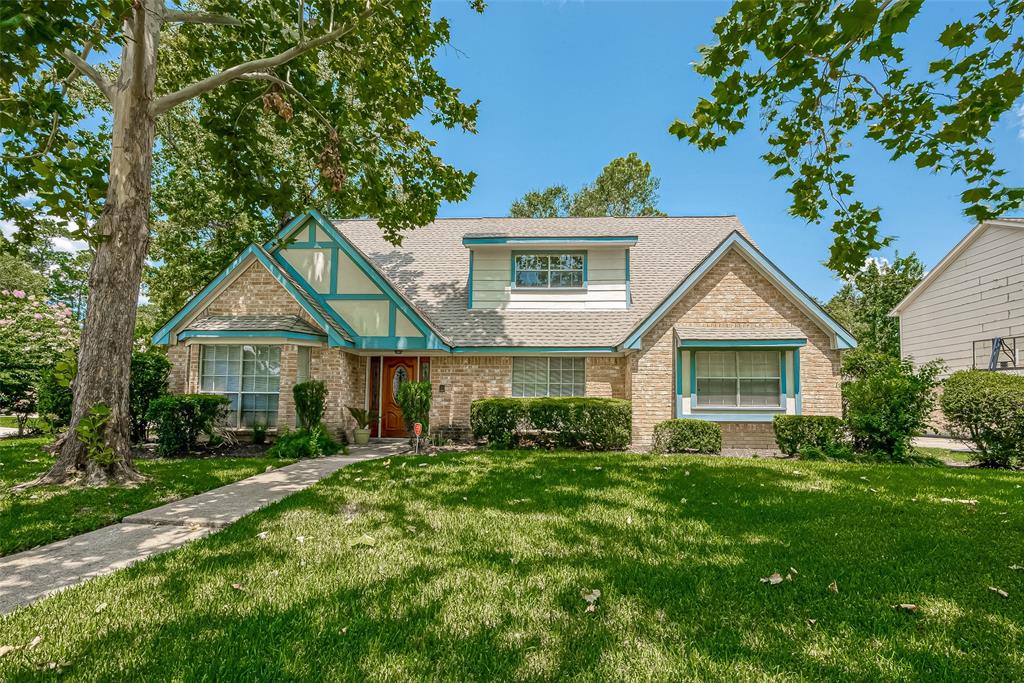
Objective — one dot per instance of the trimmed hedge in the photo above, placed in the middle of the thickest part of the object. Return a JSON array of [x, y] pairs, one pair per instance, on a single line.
[[181, 418], [598, 424], [304, 443], [687, 436], [795, 432], [987, 408]]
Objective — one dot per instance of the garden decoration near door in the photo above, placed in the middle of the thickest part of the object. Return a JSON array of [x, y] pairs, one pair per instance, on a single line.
[[417, 429]]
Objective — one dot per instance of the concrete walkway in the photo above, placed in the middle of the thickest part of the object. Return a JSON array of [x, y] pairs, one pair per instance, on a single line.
[[33, 574]]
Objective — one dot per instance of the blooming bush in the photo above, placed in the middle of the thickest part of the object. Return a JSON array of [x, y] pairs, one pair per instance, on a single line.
[[32, 334]]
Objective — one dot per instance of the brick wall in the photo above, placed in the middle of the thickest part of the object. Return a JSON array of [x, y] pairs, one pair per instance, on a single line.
[[255, 292], [606, 377], [345, 376], [731, 293], [748, 436], [457, 380]]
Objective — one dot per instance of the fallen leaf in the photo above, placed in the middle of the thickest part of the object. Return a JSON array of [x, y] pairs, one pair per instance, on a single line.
[[812, 622], [999, 591], [962, 501], [100, 607], [365, 540], [774, 580], [906, 607], [1016, 567], [238, 587], [863, 478], [591, 599], [793, 571], [300, 539], [873, 490], [262, 535], [833, 587], [423, 464], [34, 643], [4, 649], [344, 630], [270, 468], [598, 468], [687, 473], [629, 520], [387, 463]]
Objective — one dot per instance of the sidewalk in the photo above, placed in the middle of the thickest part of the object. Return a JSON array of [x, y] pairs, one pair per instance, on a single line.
[[33, 574]]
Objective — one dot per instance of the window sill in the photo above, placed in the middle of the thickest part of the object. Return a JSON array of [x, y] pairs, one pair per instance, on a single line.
[[521, 288]]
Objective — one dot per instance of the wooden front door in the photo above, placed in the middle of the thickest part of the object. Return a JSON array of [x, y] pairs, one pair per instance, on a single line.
[[397, 371]]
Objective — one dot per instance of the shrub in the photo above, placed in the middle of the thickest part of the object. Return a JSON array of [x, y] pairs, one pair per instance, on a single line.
[[148, 381], [304, 443], [310, 403], [687, 436], [887, 403], [414, 399], [831, 451], [987, 408], [362, 416], [181, 418], [579, 423], [259, 433], [53, 399], [794, 432]]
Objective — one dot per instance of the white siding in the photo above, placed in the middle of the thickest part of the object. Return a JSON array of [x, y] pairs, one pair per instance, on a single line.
[[606, 282], [978, 296]]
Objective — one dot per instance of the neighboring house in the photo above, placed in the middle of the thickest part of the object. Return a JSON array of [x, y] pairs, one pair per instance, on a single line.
[[684, 316], [969, 310]]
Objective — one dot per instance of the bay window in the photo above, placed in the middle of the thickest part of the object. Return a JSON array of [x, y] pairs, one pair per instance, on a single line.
[[248, 375]]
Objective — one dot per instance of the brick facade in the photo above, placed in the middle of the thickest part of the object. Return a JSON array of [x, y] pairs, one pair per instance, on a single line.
[[733, 292]]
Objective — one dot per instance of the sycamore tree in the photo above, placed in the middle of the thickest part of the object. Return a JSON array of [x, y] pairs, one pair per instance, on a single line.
[[91, 89], [817, 74], [864, 303], [625, 187]]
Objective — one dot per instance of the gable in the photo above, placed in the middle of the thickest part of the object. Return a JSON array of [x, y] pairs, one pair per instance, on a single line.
[[348, 287]]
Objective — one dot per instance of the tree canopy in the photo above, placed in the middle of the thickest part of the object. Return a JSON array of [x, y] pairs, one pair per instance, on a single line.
[[819, 73], [625, 187]]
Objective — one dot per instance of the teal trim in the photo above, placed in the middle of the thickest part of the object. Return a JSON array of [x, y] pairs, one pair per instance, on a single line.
[[243, 334], [782, 373], [549, 253], [679, 372], [283, 233], [392, 319], [355, 297], [628, 240], [334, 271], [734, 417], [693, 379], [394, 343], [162, 336], [629, 293], [469, 285], [321, 299], [533, 349], [796, 372], [844, 340], [741, 343]]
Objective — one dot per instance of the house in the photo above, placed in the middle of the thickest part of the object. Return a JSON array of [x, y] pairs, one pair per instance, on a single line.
[[683, 316], [969, 310]]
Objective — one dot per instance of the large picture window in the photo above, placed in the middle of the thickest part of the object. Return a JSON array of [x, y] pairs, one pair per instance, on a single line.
[[544, 270], [249, 375], [533, 377], [738, 379]]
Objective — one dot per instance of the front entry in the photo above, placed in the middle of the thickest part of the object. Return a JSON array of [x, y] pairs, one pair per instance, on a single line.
[[397, 371]]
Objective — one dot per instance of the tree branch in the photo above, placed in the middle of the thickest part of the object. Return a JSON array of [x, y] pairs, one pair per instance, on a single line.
[[271, 78], [95, 76], [179, 17], [173, 99]]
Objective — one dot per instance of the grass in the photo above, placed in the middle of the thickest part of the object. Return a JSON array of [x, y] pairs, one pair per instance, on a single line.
[[946, 455], [50, 513], [473, 567], [8, 421]]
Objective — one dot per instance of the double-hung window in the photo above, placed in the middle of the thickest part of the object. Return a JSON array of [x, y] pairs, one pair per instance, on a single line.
[[548, 270], [738, 379], [538, 376], [248, 375]]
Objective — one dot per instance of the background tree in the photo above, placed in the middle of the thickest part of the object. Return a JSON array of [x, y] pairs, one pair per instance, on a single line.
[[340, 79], [817, 73], [625, 187], [863, 304]]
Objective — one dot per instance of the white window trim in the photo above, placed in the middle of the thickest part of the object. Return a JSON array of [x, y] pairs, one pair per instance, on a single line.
[[236, 421]]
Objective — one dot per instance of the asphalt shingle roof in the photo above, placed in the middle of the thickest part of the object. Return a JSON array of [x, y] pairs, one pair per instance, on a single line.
[[248, 323], [431, 269], [739, 333]]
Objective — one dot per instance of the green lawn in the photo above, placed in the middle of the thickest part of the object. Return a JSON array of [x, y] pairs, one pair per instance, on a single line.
[[50, 513], [473, 567]]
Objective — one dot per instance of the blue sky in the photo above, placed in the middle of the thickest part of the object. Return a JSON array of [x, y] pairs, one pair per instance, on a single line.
[[567, 86]]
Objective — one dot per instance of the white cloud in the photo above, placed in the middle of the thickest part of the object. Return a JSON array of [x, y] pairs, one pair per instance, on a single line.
[[1020, 122], [68, 245]]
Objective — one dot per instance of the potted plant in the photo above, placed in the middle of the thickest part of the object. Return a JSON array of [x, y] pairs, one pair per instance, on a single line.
[[363, 418]]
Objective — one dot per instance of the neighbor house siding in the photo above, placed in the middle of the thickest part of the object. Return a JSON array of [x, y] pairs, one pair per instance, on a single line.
[[732, 293], [980, 295], [606, 281]]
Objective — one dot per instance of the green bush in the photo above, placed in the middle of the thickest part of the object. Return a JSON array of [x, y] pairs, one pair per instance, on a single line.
[[259, 433], [53, 399], [148, 381], [794, 432], [304, 443], [987, 408], [687, 436], [578, 423], [181, 418], [414, 399], [832, 451], [887, 403], [310, 403]]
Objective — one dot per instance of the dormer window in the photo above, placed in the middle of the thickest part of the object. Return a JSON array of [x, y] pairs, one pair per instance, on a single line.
[[549, 270]]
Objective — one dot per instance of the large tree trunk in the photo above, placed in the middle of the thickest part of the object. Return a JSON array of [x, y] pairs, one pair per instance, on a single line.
[[104, 358]]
